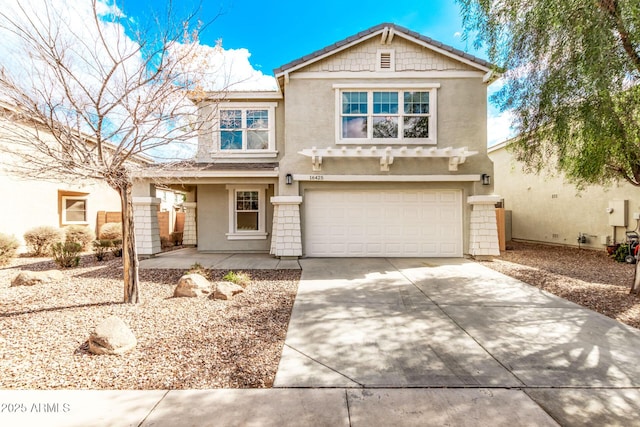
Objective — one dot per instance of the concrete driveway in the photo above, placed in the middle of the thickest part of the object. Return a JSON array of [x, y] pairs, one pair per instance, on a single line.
[[432, 331]]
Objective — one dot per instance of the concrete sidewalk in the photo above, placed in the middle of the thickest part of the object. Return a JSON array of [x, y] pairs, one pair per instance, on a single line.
[[403, 342]]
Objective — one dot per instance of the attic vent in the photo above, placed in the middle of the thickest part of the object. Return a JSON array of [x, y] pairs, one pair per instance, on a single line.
[[386, 60]]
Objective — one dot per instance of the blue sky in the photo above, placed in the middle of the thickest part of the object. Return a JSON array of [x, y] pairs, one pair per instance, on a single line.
[[278, 32], [275, 33]]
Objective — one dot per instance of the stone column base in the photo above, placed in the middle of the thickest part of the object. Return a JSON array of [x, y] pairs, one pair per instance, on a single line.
[[190, 232], [286, 237], [145, 217], [483, 229]]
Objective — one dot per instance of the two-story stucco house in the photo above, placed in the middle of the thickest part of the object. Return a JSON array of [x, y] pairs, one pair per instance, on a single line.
[[373, 146]]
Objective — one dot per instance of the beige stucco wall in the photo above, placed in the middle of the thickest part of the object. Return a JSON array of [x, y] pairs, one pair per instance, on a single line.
[[547, 209], [30, 204]]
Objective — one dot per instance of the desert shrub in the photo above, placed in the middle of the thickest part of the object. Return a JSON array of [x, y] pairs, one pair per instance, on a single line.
[[66, 254], [8, 247], [621, 253], [197, 268], [101, 248], [166, 242], [39, 240], [111, 231], [176, 236], [116, 247], [240, 278], [79, 234]]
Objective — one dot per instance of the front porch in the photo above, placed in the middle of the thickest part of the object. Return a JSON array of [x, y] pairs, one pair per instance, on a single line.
[[183, 259]]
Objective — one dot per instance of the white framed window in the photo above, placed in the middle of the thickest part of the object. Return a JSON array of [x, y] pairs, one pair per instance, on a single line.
[[246, 130], [74, 210], [386, 115], [247, 212]]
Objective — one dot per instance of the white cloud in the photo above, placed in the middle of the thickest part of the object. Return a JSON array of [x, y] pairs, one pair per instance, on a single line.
[[499, 128], [227, 69]]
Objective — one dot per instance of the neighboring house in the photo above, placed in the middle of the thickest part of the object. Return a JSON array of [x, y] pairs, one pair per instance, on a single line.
[[373, 146], [544, 208], [29, 203]]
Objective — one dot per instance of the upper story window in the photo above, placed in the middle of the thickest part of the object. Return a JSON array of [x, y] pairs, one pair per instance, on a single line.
[[246, 131], [388, 116]]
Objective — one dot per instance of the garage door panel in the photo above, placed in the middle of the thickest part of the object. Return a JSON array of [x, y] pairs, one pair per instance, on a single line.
[[383, 223]]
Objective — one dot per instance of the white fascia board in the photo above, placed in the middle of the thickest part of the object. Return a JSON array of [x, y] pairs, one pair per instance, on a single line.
[[231, 96], [386, 86], [444, 52], [387, 178], [199, 174], [363, 75], [329, 53]]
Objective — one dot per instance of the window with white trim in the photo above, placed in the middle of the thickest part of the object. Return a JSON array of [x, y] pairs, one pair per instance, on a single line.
[[74, 210], [405, 116], [247, 212], [246, 130]]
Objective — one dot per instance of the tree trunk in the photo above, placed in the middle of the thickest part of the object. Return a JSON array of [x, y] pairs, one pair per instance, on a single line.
[[129, 252], [635, 289]]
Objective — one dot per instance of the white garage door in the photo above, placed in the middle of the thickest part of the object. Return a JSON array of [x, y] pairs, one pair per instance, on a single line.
[[410, 223]]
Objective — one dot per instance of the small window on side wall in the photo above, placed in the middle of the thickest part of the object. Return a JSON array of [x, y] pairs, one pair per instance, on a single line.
[[74, 210]]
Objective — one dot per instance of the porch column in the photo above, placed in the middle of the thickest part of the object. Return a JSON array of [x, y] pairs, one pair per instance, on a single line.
[[190, 235], [483, 229], [145, 217], [286, 238]]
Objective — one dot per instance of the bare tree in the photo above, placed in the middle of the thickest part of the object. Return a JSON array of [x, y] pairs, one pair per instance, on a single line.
[[98, 99]]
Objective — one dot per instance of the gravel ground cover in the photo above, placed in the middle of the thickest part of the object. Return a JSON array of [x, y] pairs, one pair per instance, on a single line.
[[584, 276], [194, 343], [183, 343]]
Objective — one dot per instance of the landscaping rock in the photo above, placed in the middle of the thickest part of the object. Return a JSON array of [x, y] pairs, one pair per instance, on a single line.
[[192, 285], [31, 278], [112, 336], [226, 290]]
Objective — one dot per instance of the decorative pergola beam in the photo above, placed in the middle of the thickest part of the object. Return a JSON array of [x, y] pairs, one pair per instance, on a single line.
[[456, 156]]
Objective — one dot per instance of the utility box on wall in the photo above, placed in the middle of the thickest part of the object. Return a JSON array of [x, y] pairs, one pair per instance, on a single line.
[[617, 211]]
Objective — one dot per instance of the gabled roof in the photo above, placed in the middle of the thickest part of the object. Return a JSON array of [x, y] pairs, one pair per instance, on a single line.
[[391, 29]]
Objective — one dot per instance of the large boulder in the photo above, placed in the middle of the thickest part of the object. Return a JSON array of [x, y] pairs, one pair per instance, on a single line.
[[31, 278], [225, 290], [192, 285], [112, 336]]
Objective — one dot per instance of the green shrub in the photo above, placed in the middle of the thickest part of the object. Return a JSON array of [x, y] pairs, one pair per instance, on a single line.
[[79, 234], [116, 247], [66, 254], [8, 247], [39, 240], [197, 268], [111, 231], [621, 253], [240, 278], [100, 248]]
